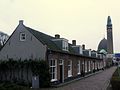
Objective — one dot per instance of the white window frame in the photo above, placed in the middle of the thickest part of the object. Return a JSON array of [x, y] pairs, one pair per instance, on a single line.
[[70, 68], [85, 66], [78, 67], [65, 45], [53, 66], [93, 65], [89, 65], [21, 36], [99, 65], [80, 50]]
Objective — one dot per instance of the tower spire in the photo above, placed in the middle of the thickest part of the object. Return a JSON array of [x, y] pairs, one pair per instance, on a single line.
[[109, 42], [109, 22], [109, 36]]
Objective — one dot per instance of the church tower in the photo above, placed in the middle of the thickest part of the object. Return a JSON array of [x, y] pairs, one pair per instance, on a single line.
[[109, 36]]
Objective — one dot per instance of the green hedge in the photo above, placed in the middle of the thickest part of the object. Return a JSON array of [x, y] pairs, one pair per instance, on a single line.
[[38, 67], [12, 86], [115, 80]]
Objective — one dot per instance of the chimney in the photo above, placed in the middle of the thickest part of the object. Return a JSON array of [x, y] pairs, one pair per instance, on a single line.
[[57, 36], [83, 47], [20, 21], [74, 42]]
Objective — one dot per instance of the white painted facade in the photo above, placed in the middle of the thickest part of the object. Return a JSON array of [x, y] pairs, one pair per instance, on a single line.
[[30, 48]]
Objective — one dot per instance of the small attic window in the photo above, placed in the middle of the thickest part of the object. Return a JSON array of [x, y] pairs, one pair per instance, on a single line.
[[65, 45], [22, 37]]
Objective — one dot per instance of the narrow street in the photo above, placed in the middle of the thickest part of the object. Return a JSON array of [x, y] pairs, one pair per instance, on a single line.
[[98, 81]]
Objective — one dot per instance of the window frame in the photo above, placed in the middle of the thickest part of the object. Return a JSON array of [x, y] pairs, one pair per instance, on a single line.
[[69, 68], [85, 66], [64, 45], [89, 66], [21, 36], [78, 67], [53, 68], [95, 65]]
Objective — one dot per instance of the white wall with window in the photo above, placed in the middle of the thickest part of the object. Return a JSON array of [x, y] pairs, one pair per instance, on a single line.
[[81, 50], [65, 45], [53, 69], [22, 37], [78, 67], [85, 66], [89, 52], [69, 68]]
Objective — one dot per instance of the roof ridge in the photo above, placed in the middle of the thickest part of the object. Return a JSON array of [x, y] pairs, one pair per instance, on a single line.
[[43, 38], [39, 31]]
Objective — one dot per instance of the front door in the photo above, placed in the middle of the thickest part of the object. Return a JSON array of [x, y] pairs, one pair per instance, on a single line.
[[61, 66], [61, 73]]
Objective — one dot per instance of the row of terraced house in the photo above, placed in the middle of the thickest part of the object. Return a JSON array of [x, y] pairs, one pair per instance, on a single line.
[[66, 60]]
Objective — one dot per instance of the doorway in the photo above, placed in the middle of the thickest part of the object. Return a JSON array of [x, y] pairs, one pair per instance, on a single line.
[[61, 73], [61, 66]]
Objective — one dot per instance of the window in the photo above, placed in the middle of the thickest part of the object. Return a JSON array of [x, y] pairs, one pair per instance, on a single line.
[[60, 62], [89, 65], [85, 66], [96, 65], [65, 45], [69, 68], [101, 65], [80, 50], [22, 36], [78, 65], [93, 63], [53, 70]]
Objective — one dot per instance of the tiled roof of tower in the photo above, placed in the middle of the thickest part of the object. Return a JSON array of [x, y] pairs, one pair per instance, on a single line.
[[102, 45]]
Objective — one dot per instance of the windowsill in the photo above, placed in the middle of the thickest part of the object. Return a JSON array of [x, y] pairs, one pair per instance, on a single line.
[[22, 40], [53, 80], [69, 75], [65, 50]]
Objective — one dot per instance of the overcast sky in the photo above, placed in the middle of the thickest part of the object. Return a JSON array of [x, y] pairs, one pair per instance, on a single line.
[[82, 20]]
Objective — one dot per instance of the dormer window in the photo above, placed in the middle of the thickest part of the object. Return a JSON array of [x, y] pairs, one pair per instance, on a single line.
[[62, 43], [65, 45], [22, 37]]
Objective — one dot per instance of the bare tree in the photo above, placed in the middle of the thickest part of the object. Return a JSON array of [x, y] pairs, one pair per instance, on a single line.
[[3, 38]]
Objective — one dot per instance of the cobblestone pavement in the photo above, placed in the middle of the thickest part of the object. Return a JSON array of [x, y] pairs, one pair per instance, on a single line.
[[98, 81]]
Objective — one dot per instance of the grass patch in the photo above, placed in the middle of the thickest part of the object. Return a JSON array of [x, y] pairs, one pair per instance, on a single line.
[[12, 86]]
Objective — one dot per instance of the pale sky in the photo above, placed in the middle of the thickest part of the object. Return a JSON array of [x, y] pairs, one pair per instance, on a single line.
[[82, 20]]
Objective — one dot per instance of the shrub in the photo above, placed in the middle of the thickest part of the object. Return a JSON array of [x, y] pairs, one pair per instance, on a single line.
[[115, 80], [38, 67]]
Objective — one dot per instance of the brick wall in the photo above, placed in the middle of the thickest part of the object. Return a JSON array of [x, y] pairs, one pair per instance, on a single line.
[[74, 59]]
